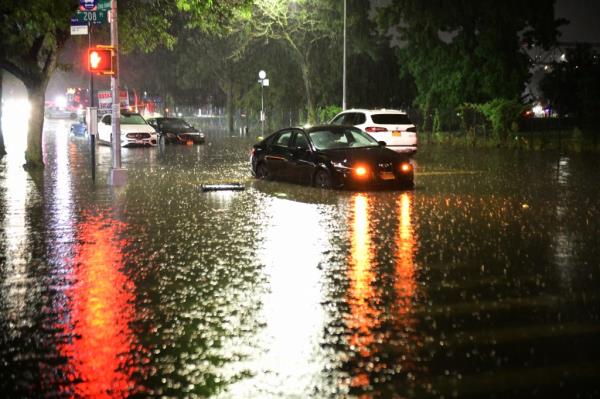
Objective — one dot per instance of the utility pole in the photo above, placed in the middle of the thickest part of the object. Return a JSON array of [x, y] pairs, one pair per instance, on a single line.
[[344, 68], [117, 175]]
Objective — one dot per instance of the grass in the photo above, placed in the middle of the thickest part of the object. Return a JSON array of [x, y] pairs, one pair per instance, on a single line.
[[575, 140]]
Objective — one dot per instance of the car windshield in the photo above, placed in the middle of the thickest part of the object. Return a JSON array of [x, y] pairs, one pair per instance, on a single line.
[[132, 119], [391, 119], [327, 139], [175, 124]]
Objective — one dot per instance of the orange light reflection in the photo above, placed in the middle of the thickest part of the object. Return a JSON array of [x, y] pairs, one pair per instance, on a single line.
[[363, 316], [405, 265]]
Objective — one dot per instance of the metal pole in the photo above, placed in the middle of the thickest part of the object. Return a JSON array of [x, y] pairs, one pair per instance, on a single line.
[[117, 175], [344, 68], [91, 73], [262, 107], [92, 127]]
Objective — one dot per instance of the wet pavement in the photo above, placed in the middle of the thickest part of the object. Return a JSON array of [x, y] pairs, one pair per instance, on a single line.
[[481, 282]]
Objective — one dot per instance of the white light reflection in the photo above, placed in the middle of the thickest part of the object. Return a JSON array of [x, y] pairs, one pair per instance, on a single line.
[[563, 241], [18, 189], [293, 244], [61, 215]]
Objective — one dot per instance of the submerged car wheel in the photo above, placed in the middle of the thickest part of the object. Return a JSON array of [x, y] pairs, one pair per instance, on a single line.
[[323, 179], [262, 172]]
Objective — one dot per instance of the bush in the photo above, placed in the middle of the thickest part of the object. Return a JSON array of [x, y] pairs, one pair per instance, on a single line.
[[500, 114], [503, 115], [325, 114]]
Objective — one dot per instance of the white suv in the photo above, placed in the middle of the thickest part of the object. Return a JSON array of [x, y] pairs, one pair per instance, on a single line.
[[393, 127]]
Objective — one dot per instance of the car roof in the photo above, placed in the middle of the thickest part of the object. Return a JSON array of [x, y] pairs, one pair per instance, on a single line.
[[375, 111]]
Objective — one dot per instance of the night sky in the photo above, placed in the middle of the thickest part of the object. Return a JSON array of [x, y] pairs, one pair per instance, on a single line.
[[585, 20]]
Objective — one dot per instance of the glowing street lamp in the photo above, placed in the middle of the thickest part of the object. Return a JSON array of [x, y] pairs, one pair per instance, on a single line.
[[262, 79]]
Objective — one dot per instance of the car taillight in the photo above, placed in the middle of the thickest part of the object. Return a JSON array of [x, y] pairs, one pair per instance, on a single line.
[[412, 129], [375, 129]]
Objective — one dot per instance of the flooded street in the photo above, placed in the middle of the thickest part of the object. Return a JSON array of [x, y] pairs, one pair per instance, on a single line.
[[481, 282]]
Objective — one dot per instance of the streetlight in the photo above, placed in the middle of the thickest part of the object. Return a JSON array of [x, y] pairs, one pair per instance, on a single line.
[[262, 79]]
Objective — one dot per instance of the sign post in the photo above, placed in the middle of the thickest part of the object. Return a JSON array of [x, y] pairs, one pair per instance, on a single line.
[[117, 175], [91, 118]]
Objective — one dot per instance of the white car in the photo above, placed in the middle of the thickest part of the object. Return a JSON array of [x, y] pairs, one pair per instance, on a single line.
[[135, 131], [392, 126]]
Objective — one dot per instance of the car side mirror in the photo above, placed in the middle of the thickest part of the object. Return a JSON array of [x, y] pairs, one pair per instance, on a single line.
[[382, 143]]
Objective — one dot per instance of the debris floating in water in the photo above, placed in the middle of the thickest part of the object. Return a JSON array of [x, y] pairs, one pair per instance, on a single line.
[[222, 187]]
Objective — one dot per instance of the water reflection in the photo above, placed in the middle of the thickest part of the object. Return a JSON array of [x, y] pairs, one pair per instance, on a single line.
[[19, 192], [98, 313], [380, 323], [289, 359], [405, 258], [363, 316], [60, 198]]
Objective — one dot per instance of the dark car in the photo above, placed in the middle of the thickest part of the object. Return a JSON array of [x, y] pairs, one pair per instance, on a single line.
[[330, 157], [176, 130]]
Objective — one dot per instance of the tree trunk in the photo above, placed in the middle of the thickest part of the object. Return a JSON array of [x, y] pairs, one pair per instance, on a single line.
[[36, 91], [2, 148], [229, 101], [310, 106]]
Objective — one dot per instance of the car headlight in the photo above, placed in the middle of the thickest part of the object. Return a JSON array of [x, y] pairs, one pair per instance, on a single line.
[[406, 167]]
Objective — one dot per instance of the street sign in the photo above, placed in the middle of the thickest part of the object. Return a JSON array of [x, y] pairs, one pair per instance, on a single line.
[[88, 5], [79, 29], [91, 17], [104, 5]]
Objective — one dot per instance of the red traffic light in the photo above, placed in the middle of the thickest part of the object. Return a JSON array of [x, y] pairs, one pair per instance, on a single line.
[[100, 60]]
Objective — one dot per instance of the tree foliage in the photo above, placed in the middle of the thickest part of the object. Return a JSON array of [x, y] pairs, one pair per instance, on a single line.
[[308, 28], [31, 33], [34, 31], [467, 51]]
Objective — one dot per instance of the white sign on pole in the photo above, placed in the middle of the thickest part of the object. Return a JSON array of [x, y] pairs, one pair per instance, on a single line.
[[79, 29]]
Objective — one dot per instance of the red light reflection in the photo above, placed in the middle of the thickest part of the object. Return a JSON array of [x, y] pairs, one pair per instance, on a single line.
[[100, 302]]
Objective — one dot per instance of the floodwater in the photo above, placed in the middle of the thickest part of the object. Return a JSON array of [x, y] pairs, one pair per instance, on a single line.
[[483, 281]]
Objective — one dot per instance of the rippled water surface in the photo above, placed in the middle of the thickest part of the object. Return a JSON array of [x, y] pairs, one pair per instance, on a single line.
[[481, 282]]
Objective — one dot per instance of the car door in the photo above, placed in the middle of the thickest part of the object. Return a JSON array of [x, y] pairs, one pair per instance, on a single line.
[[278, 153], [300, 160], [105, 128]]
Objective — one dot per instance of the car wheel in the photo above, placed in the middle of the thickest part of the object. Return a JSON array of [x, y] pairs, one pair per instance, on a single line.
[[323, 179], [262, 172]]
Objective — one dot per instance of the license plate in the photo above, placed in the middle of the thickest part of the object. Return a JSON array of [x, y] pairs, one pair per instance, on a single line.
[[396, 133], [387, 176]]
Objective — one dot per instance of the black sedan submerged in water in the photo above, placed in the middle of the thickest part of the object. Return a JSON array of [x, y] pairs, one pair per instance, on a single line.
[[176, 130], [330, 157]]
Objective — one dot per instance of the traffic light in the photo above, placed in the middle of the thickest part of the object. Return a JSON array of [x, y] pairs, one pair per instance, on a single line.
[[101, 60]]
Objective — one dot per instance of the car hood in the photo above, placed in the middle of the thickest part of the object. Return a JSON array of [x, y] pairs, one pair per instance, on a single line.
[[372, 155], [137, 129], [181, 130]]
